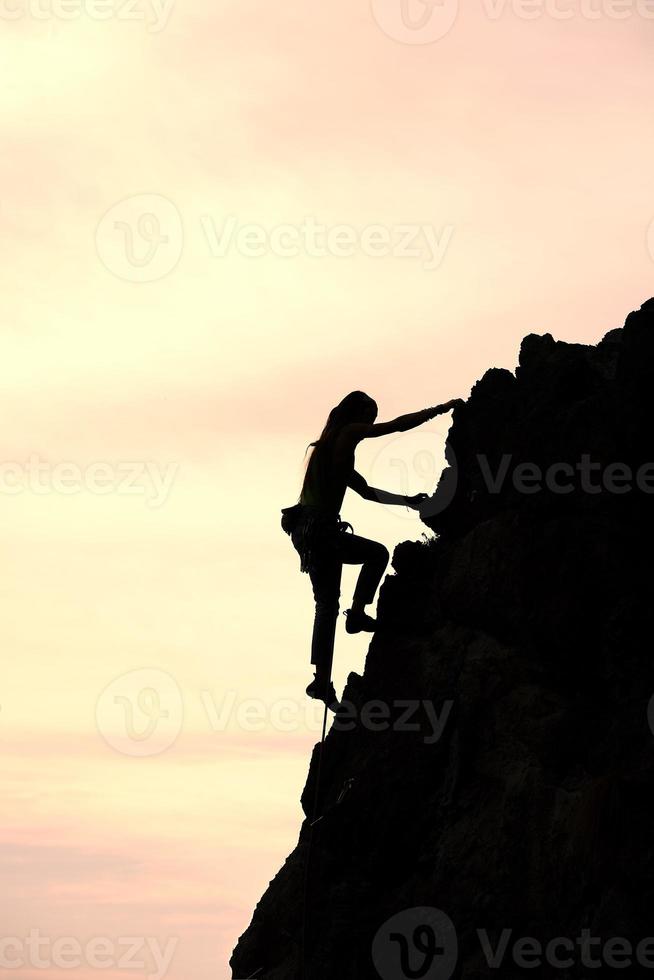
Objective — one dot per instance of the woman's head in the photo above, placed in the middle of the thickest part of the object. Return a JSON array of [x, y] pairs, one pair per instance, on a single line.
[[355, 407]]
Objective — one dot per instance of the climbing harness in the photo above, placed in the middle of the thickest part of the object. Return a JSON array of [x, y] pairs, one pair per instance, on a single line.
[[314, 532]]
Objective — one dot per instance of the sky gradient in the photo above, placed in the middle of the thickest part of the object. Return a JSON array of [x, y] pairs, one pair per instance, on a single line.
[[216, 220]]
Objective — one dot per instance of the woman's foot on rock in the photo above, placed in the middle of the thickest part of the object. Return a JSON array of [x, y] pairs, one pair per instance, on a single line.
[[359, 622], [319, 691]]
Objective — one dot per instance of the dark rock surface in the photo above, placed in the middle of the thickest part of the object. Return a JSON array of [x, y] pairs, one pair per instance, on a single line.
[[525, 628]]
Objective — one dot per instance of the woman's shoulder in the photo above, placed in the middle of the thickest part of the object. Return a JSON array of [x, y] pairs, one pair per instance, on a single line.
[[352, 433]]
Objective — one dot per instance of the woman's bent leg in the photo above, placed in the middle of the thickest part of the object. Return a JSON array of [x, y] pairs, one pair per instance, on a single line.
[[373, 558]]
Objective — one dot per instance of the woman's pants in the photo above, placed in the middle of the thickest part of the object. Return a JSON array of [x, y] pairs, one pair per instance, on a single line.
[[349, 549]]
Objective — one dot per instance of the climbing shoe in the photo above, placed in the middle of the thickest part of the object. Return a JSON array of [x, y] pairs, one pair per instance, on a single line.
[[359, 622], [327, 695]]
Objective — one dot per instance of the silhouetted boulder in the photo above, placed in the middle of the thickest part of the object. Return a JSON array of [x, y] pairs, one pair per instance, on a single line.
[[497, 762]]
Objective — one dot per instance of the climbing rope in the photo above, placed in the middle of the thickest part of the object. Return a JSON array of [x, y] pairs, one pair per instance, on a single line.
[[313, 822]]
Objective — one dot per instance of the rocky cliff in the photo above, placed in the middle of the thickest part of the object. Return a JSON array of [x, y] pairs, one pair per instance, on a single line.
[[485, 802]]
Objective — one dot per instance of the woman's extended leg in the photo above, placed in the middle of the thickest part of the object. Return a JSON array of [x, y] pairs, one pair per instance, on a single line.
[[326, 582]]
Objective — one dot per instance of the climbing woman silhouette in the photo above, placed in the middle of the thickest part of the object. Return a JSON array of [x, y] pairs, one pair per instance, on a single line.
[[324, 542]]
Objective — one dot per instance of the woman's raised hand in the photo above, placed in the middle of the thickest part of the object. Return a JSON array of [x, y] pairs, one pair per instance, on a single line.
[[416, 501], [448, 406]]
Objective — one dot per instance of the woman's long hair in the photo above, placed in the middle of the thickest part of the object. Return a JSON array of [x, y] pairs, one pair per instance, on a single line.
[[352, 408]]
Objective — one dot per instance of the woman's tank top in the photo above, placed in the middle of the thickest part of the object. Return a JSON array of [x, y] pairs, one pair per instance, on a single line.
[[324, 486]]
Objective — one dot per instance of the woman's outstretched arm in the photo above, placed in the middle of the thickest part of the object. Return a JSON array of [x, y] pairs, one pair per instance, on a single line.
[[364, 430], [358, 484]]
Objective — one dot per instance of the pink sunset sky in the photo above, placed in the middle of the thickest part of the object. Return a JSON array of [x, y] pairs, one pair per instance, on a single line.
[[175, 332]]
